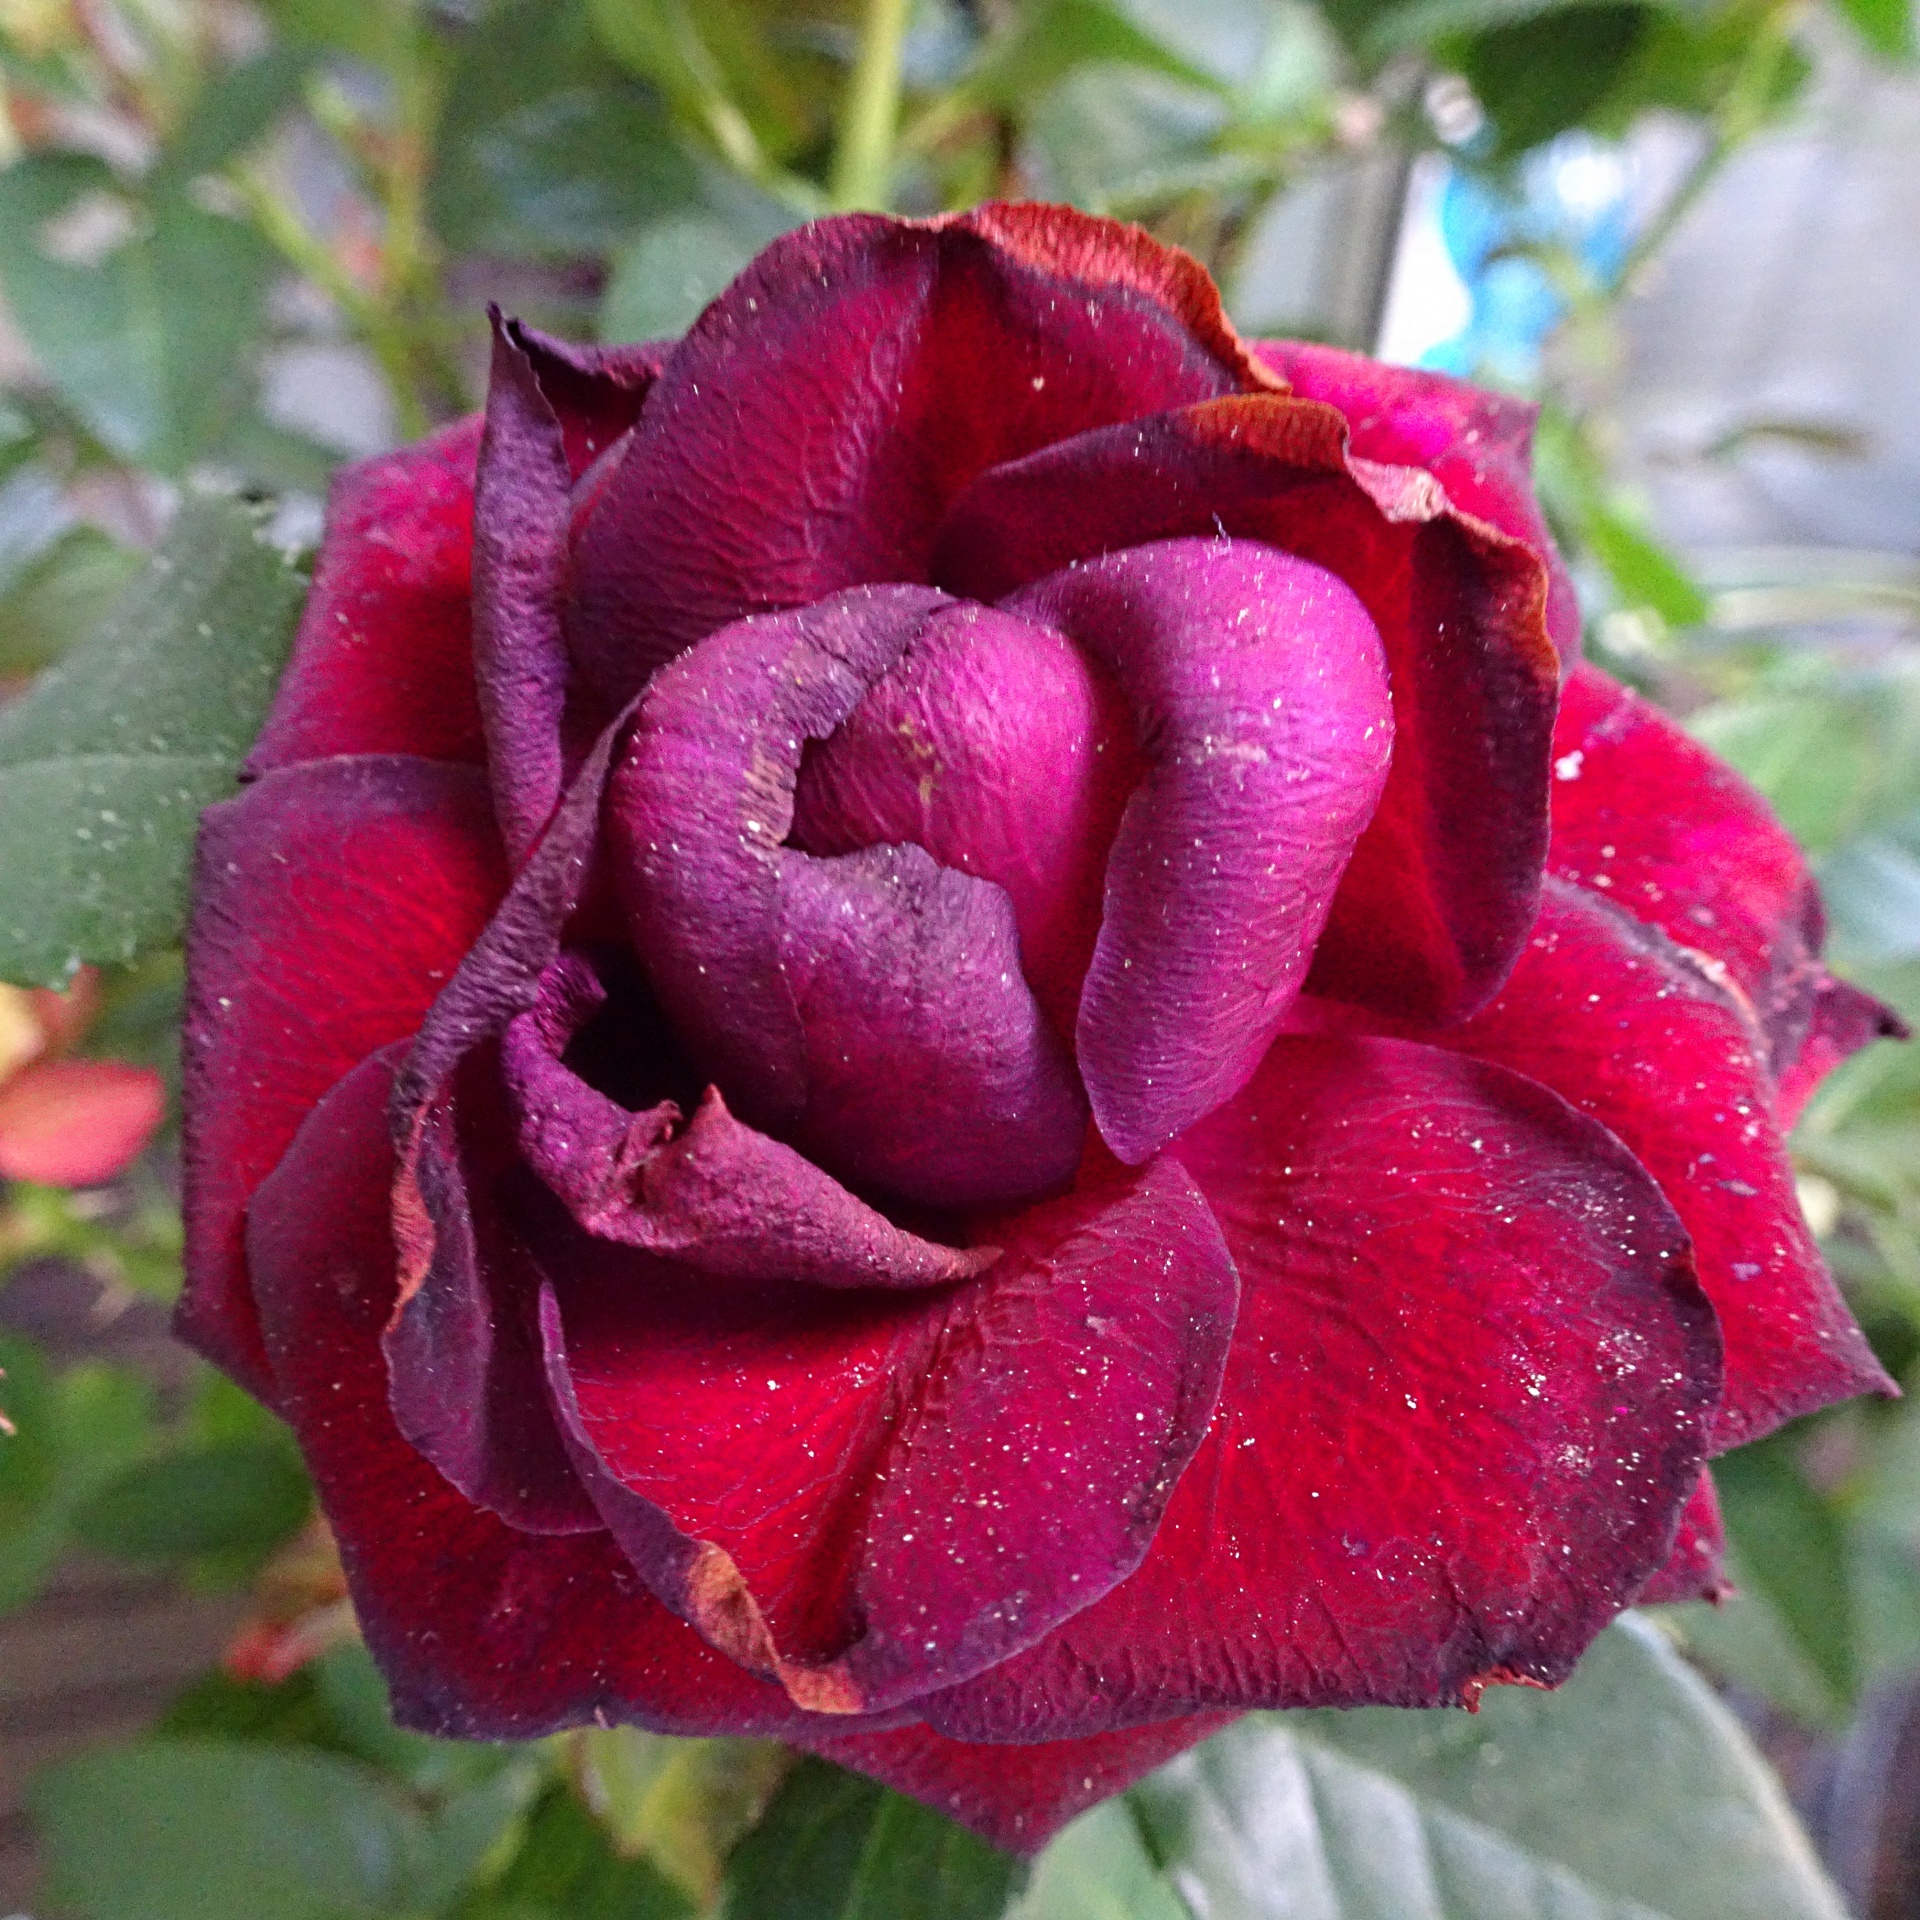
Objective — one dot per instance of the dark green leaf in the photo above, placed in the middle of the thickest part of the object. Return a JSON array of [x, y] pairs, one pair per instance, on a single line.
[[836, 1846], [1538, 77], [1794, 1547], [564, 1867], [546, 147], [230, 1497], [218, 1830], [106, 763], [290, 1713], [236, 110], [140, 313], [1045, 43]]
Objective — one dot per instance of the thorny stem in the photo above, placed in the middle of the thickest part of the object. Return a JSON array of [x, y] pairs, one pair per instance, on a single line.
[[863, 160]]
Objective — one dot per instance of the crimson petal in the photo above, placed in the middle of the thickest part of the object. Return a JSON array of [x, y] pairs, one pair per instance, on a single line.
[[482, 1631], [936, 1479], [333, 901], [870, 1006], [1260, 697], [1477, 444], [1016, 1797], [1466, 1403], [1444, 882], [805, 436], [383, 660], [1621, 1024], [1693, 1570], [1843, 1021]]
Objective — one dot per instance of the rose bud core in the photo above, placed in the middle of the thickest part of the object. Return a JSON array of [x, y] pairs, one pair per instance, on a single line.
[[944, 1024]]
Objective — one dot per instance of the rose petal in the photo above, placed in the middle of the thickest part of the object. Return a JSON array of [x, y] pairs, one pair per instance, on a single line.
[[1466, 1402], [1477, 444], [1444, 881], [810, 429], [1693, 1570], [482, 1631], [1622, 1026], [76, 1123], [1676, 838], [1260, 697], [711, 1194], [935, 1480], [1843, 1021], [596, 393], [1016, 1797], [383, 660], [333, 900], [869, 1007], [1000, 748]]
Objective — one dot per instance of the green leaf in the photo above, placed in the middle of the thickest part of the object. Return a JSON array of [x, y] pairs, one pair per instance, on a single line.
[[1885, 25], [75, 1431], [141, 313], [668, 275], [238, 108], [106, 763], [1644, 573], [546, 147], [1794, 1547], [241, 1497], [1630, 1794], [1100, 1869], [61, 596], [1045, 43], [565, 1868], [223, 1830], [837, 1846]]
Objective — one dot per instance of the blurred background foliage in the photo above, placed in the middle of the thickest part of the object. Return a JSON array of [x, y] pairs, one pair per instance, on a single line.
[[240, 243]]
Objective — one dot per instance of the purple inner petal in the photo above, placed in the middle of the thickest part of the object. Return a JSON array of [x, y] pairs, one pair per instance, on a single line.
[[1260, 689], [870, 1006]]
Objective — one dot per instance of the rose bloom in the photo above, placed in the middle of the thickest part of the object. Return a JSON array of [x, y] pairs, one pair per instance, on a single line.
[[942, 1024]]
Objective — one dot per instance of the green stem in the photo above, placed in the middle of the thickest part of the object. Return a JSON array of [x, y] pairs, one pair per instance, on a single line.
[[863, 161]]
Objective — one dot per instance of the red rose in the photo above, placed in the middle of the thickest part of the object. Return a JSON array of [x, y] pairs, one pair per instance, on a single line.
[[918, 1074]]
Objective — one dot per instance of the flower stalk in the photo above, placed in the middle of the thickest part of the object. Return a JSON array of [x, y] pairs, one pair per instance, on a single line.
[[863, 162]]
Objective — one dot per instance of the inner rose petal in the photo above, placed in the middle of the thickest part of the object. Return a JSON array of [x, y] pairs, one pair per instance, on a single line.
[[1000, 748], [869, 1008], [1259, 687]]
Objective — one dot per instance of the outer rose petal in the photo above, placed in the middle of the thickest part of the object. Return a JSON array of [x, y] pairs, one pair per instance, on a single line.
[[333, 901], [483, 1632], [1477, 444], [1466, 1403], [1444, 882], [383, 661], [75, 1123], [1844, 1020], [1693, 1569], [1620, 1025], [937, 1478], [1667, 831], [804, 437], [1017, 1797]]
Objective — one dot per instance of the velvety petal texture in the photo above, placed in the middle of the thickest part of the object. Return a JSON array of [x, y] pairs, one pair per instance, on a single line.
[[889, 1051]]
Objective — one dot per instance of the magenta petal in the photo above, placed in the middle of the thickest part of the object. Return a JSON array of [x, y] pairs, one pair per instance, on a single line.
[[1445, 880], [383, 660], [870, 1006], [333, 900], [482, 1631], [1260, 696], [1018, 1797], [808, 432], [710, 1194], [1632, 1030], [938, 1479], [1000, 748], [1843, 1021], [596, 393], [1466, 1403]]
